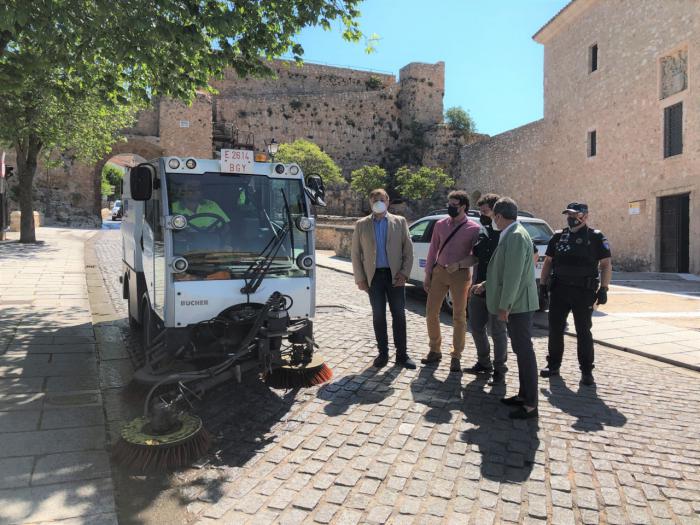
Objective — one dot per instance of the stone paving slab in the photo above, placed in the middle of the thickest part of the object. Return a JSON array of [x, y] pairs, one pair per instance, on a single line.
[[53, 462]]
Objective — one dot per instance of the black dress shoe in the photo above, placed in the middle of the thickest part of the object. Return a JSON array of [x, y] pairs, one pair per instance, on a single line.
[[432, 357], [587, 379], [477, 369], [522, 413], [380, 361], [406, 362], [455, 365], [549, 372], [513, 401]]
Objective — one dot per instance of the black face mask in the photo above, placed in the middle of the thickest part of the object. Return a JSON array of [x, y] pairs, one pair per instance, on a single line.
[[453, 211], [573, 222], [485, 220]]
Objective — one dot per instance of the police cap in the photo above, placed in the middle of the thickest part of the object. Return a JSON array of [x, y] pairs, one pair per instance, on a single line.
[[576, 207]]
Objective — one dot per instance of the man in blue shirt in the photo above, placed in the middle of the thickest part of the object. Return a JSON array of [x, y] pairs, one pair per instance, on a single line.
[[382, 255]]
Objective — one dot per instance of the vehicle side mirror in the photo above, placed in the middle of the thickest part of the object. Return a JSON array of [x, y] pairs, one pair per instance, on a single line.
[[315, 189], [141, 181]]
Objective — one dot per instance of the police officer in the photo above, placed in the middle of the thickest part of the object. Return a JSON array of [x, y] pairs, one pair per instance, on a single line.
[[579, 261]]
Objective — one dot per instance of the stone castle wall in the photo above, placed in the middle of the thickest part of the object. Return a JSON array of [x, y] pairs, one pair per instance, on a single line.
[[645, 64], [357, 117]]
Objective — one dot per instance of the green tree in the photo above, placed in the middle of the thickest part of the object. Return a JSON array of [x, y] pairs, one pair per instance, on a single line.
[[421, 183], [368, 178], [459, 120], [78, 69], [311, 159], [112, 178]]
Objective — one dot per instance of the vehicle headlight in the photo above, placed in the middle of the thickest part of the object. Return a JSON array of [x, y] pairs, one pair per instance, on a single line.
[[179, 264], [178, 222], [305, 224], [174, 164], [279, 168], [305, 261], [191, 164], [294, 170]]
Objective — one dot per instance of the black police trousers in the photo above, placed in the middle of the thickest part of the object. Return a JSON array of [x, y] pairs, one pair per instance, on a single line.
[[578, 300]]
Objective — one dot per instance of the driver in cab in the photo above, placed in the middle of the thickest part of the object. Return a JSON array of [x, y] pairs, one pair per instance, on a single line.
[[191, 204]]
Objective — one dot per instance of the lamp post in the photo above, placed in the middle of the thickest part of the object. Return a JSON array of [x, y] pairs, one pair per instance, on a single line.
[[272, 148]]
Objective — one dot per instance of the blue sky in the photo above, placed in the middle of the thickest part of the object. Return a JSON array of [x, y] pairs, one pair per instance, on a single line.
[[493, 68]]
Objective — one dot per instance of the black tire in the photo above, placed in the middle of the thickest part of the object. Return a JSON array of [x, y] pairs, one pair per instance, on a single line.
[[148, 324], [134, 324]]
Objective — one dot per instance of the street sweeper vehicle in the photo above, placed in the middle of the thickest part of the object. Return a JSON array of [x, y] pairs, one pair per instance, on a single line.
[[219, 275]]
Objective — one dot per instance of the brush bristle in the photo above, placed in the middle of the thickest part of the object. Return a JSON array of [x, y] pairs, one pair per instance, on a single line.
[[289, 378], [150, 458]]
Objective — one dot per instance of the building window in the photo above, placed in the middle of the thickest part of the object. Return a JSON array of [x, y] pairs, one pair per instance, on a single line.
[[673, 130], [592, 143], [593, 58]]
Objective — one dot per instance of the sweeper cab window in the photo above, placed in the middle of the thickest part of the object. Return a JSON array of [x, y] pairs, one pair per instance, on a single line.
[[232, 218]]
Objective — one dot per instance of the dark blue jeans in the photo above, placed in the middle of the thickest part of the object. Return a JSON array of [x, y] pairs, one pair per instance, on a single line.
[[382, 291]]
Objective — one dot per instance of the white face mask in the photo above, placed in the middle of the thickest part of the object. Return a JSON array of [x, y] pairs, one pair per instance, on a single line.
[[379, 207]]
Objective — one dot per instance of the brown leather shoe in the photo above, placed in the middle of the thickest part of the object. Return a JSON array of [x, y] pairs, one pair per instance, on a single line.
[[432, 357]]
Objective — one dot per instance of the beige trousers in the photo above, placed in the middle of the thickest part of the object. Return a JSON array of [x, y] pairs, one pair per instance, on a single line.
[[458, 284]]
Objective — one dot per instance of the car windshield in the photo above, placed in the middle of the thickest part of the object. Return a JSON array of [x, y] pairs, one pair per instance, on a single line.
[[232, 218], [540, 232], [118, 204]]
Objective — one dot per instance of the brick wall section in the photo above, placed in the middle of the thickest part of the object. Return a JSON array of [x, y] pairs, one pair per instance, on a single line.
[[546, 166]]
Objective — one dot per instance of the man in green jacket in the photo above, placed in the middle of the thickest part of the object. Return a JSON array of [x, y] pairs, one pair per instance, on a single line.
[[511, 294]]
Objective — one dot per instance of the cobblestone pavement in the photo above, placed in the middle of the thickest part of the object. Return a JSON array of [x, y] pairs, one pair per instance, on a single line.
[[427, 446]]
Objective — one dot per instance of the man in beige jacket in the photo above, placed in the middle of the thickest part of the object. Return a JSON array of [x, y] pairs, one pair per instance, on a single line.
[[382, 255]]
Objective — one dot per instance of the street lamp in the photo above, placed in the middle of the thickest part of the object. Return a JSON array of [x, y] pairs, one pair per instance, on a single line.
[[272, 148]]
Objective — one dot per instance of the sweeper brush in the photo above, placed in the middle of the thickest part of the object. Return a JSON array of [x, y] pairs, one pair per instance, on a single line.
[[289, 376], [142, 448]]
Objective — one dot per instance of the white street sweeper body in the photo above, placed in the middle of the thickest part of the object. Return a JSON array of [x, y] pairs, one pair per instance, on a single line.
[[218, 263]]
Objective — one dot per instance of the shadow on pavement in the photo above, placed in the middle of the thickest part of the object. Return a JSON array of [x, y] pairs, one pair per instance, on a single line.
[[441, 397], [507, 447], [367, 388], [592, 413]]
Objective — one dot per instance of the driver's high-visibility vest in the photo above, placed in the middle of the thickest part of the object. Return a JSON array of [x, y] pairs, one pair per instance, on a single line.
[[205, 206]]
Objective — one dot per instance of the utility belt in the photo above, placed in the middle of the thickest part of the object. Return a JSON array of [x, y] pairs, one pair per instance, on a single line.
[[588, 283]]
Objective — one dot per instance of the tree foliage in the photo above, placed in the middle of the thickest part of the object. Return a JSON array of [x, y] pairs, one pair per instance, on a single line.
[[112, 178], [421, 183], [368, 178], [78, 69], [459, 120], [311, 159]]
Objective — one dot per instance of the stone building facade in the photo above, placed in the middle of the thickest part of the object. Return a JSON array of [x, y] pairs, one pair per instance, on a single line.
[[357, 117], [621, 131]]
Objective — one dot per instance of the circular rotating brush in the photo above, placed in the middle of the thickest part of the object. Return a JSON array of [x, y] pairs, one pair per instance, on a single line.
[[141, 448], [288, 376]]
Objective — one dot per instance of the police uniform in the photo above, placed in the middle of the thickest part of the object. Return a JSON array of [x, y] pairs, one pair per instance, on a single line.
[[573, 287]]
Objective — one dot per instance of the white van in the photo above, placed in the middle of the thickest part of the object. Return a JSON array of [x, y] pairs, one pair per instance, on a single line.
[[421, 232]]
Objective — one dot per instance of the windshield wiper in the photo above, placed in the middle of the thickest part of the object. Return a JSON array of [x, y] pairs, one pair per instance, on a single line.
[[256, 272]]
